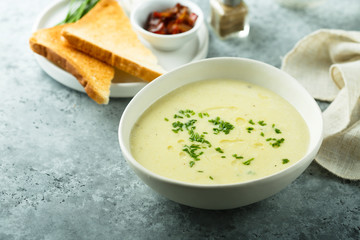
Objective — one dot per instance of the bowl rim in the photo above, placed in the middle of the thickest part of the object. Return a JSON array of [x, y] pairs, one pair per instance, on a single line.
[[312, 149], [191, 5]]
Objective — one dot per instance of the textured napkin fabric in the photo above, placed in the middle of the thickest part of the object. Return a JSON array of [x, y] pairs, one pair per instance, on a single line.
[[327, 64]]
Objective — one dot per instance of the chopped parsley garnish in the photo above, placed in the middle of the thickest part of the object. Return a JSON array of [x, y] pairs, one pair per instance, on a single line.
[[187, 113], [196, 137], [201, 115], [285, 161], [219, 150], [193, 151], [262, 123], [237, 157], [177, 126], [198, 142], [190, 124], [223, 126], [249, 129], [211, 177], [248, 161], [275, 143]]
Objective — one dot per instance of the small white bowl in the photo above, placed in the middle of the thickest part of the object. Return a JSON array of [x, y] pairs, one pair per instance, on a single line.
[[162, 42], [223, 196]]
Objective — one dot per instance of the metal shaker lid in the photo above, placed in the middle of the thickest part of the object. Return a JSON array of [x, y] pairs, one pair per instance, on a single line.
[[231, 2]]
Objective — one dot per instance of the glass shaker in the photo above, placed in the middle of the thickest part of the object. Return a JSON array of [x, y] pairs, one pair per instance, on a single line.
[[229, 18]]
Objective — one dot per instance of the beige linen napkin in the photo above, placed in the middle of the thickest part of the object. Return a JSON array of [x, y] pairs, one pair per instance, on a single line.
[[327, 64]]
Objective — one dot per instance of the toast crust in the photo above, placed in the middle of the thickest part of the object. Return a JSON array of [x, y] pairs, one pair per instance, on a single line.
[[94, 75], [105, 33]]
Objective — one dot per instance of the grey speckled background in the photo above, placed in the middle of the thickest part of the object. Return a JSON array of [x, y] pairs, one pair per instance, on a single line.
[[62, 175]]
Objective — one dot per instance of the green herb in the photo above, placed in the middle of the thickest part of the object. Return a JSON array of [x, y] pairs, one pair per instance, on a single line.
[[166, 119], [190, 124], [223, 156], [191, 163], [249, 129], [275, 143], [277, 130], [201, 115], [193, 151], [196, 137], [75, 14], [219, 150], [273, 125], [248, 161], [178, 126], [285, 161], [251, 122], [187, 113], [223, 126], [261, 123], [211, 177], [205, 132], [178, 116], [200, 171], [237, 157], [262, 134]]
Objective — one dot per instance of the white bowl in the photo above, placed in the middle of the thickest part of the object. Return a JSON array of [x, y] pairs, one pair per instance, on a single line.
[[162, 42], [224, 196]]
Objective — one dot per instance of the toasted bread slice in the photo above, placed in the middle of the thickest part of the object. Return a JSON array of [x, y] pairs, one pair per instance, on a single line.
[[94, 75], [105, 33]]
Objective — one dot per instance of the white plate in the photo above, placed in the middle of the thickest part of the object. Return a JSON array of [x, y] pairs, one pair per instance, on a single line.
[[129, 85]]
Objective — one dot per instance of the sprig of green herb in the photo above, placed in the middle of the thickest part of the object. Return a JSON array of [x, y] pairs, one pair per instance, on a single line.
[[74, 14]]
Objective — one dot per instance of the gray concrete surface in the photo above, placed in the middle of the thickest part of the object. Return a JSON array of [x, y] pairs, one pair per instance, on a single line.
[[62, 175]]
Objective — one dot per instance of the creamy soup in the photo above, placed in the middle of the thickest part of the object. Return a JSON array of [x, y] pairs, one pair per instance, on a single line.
[[219, 131]]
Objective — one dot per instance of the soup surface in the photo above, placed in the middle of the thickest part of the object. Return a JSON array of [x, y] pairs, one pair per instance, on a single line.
[[219, 131]]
